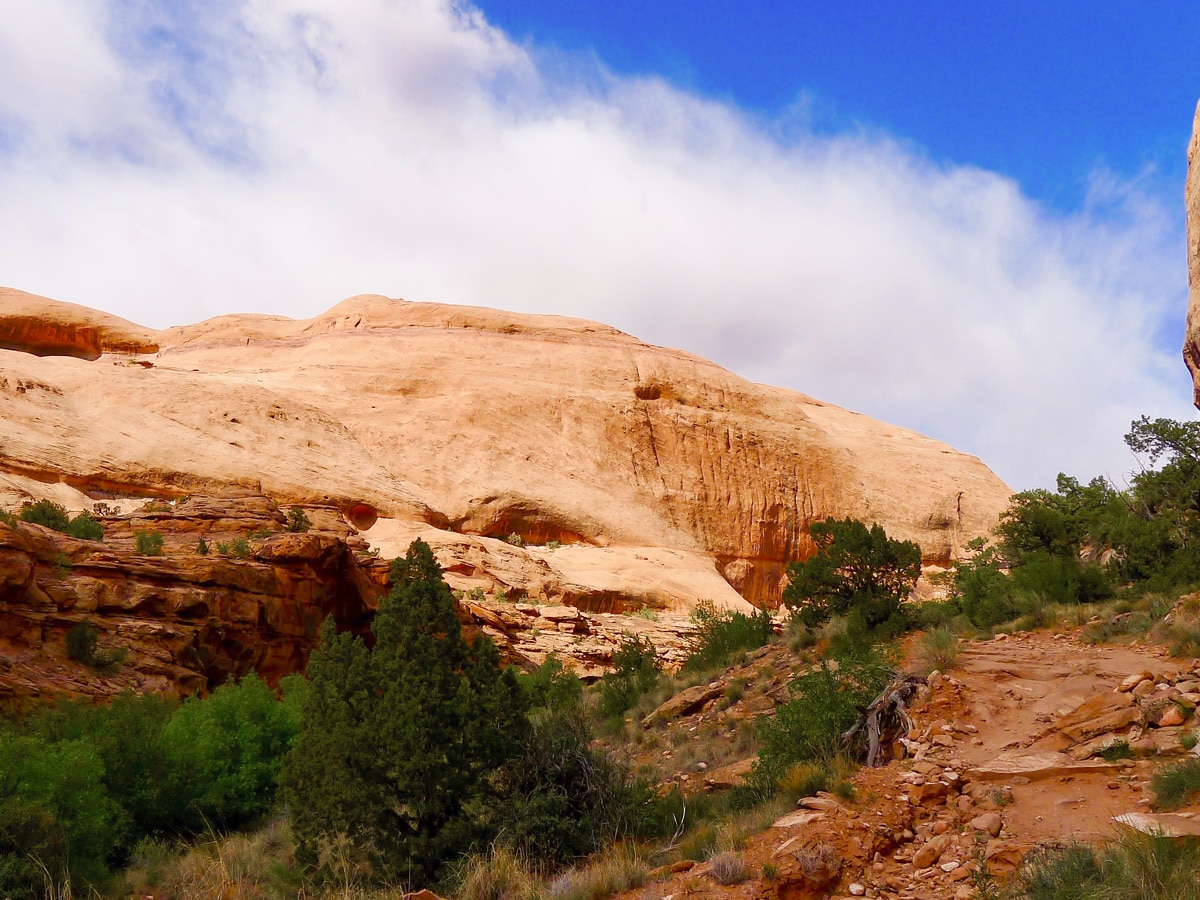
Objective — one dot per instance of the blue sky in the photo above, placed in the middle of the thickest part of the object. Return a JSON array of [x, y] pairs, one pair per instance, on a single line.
[[966, 221], [1043, 92]]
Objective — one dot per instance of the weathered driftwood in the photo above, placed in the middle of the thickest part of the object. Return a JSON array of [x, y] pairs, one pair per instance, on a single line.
[[886, 715]]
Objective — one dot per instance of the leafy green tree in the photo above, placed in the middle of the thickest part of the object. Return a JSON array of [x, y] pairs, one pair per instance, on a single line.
[[225, 751], [56, 819], [856, 571], [399, 742]]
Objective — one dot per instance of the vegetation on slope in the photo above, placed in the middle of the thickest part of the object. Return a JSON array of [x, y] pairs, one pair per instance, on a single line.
[[418, 761]]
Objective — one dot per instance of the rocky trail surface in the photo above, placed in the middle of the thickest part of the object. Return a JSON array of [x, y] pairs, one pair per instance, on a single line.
[[1005, 755]]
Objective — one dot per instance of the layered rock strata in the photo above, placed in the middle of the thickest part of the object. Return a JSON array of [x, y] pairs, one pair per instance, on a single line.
[[660, 477]]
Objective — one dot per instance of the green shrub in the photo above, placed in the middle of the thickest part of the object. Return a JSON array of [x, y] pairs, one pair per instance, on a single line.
[[81, 643], [202, 547], [57, 823], [564, 799], [53, 515], [85, 528], [635, 671], [856, 572], [551, 685], [228, 748], [82, 647], [937, 613], [298, 522], [148, 543], [48, 514], [1176, 785], [824, 703], [240, 547], [1116, 750], [719, 634], [222, 548]]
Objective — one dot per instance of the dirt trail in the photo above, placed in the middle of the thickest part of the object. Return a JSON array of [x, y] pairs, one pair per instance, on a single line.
[[1004, 756], [1014, 691]]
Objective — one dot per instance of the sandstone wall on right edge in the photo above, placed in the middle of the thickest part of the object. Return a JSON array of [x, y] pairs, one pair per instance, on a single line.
[[1191, 342]]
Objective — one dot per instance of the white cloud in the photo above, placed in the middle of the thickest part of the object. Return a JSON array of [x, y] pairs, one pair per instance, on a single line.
[[168, 162]]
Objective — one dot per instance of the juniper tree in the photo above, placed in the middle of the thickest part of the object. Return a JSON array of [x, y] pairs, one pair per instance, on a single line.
[[856, 571], [398, 741]]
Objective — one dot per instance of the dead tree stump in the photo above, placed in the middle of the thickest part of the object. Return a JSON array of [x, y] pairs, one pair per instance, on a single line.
[[885, 718]]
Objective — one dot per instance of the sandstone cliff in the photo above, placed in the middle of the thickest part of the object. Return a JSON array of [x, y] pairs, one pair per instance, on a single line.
[[464, 424], [1191, 341], [551, 461]]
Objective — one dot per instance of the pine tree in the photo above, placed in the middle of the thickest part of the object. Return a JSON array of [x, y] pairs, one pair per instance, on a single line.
[[397, 743]]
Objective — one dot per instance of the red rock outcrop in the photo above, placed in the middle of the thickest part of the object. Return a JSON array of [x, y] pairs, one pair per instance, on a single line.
[[182, 621]]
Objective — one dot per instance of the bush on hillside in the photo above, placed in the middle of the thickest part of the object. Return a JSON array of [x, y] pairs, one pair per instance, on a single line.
[[148, 543], [824, 703], [635, 672], [563, 798], [720, 634], [52, 515]]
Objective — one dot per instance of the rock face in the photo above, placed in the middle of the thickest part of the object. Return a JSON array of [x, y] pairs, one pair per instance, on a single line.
[[664, 478], [1191, 343], [552, 463], [181, 621]]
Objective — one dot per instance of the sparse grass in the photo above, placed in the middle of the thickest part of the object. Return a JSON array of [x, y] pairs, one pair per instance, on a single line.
[[1176, 785], [1124, 619], [937, 649], [1116, 750], [613, 871], [735, 690], [648, 613], [804, 779], [239, 865], [728, 867], [1184, 637], [699, 842], [498, 874], [1133, 867], [1188, 740]]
